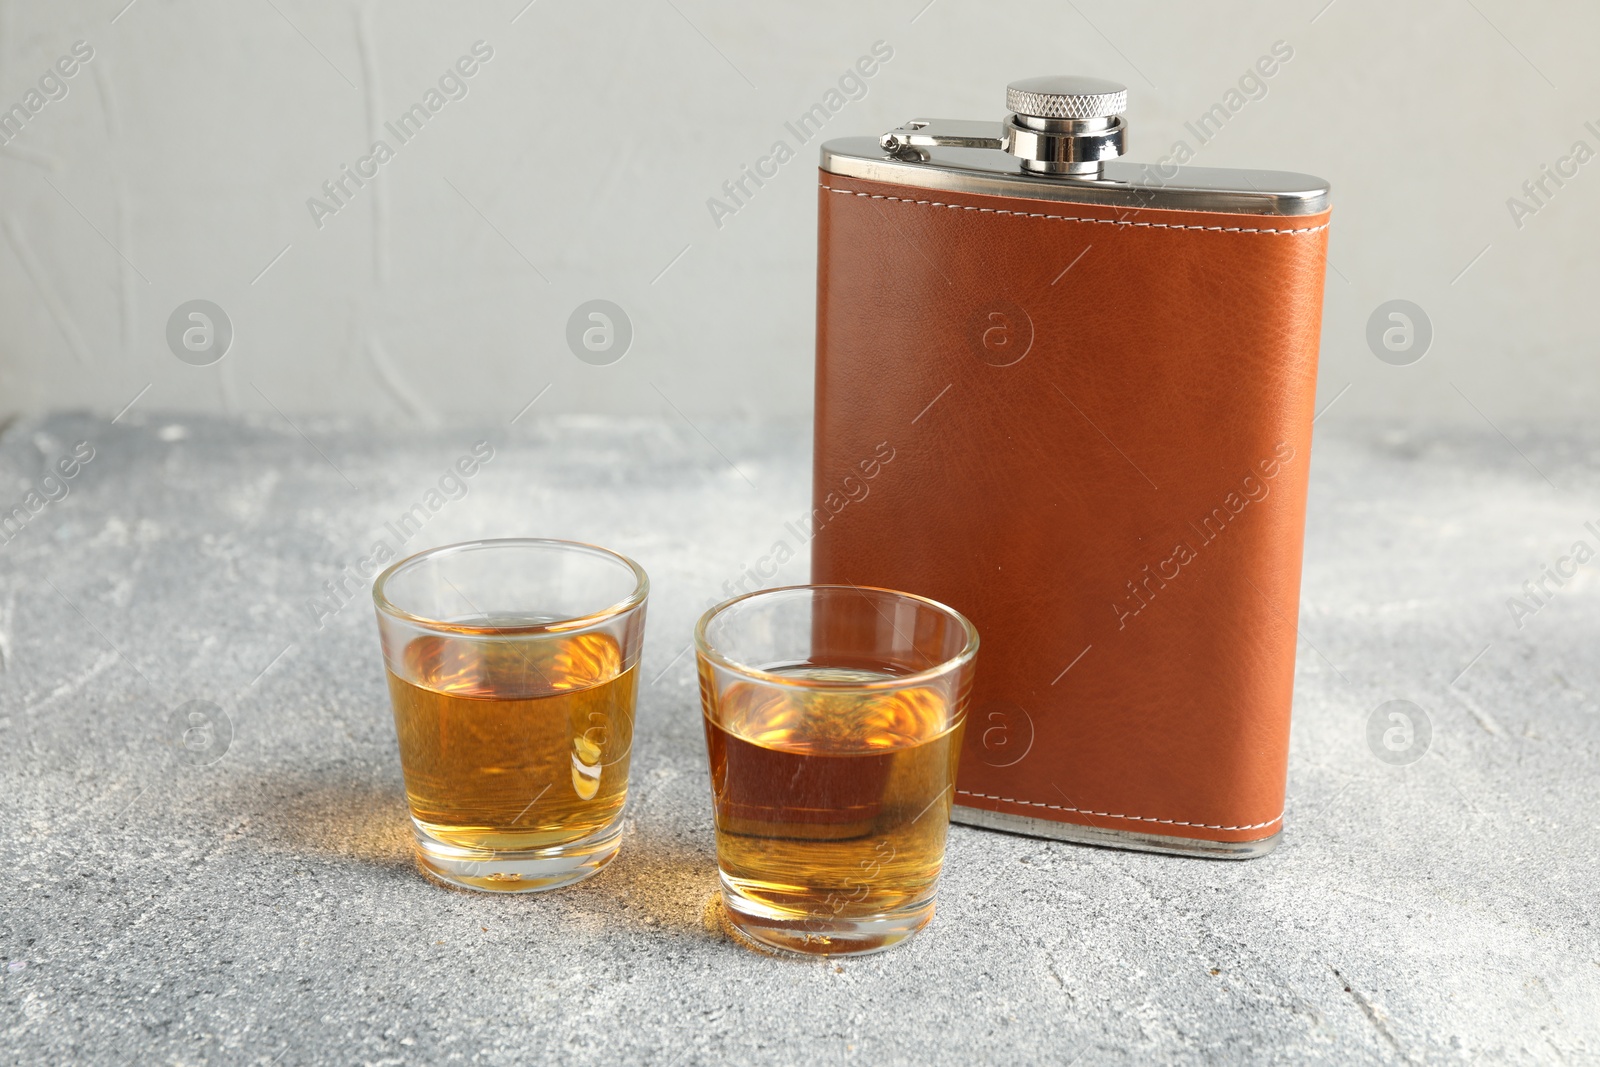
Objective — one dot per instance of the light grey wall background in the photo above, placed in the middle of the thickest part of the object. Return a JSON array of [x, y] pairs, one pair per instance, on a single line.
[[179, 162]]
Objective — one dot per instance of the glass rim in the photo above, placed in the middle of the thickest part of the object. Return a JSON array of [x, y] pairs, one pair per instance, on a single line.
[[641, 587], [960, 659]]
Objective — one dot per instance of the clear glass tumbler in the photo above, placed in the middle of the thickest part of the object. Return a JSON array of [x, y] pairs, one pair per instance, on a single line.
[[833, 718], [513, 670]]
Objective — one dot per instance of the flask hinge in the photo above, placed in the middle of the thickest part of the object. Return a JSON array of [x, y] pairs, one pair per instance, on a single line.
[[1044, 146]]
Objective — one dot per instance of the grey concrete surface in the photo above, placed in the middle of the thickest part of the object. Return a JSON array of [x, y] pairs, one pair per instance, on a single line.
[[263, 908]]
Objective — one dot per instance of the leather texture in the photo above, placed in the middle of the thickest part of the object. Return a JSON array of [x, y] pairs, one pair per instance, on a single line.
[[1100, 422]]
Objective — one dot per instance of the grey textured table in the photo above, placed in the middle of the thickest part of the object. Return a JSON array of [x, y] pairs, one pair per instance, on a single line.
[[263, 908]]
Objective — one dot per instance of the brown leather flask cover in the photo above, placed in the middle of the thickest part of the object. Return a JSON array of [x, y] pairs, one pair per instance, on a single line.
[[1098, 424]]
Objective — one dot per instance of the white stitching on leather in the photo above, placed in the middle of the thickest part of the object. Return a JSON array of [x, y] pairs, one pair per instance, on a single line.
[[1076, 218], [1109, 815]]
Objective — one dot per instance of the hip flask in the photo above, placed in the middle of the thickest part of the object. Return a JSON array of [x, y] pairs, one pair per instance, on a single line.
[[1096, 380]]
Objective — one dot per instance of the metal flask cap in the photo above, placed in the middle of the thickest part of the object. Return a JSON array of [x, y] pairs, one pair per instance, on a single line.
[[1066, 96], [1063, 125]]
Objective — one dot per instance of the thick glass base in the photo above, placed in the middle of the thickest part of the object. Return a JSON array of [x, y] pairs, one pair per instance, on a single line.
[[516, 871], [786, 931]]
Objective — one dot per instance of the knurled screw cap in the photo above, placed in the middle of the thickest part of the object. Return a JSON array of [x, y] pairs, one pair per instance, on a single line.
[[1066, 96]]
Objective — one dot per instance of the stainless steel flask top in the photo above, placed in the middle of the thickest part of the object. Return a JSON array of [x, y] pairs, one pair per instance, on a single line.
[[1063, 138]]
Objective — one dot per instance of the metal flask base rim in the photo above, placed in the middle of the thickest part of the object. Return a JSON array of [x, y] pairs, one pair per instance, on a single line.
[[1106, 838]]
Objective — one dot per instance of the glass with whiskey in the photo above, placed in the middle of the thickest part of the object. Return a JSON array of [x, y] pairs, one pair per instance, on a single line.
[[833, 719], [513, 670]]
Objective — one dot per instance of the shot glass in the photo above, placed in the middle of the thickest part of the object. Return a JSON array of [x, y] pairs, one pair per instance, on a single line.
[[833, 718], [513, 671]]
